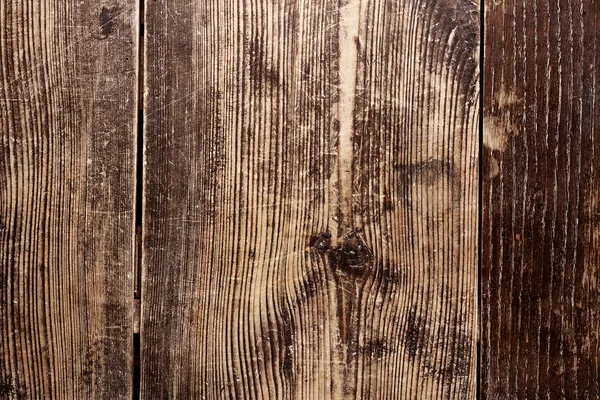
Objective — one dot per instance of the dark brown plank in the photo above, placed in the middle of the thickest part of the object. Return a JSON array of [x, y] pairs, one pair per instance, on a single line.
[[310, 197], [541, 200], [67, 154]]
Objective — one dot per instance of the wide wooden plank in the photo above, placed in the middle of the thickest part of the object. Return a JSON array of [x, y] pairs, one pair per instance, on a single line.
[[239, 148], [541, 200], [310, 199], [67, 193]]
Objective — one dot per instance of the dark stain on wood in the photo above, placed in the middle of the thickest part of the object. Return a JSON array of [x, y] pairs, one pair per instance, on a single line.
[[420, 344], [107, 20], [11, 390], [426, 173], [310, 285], [457, 365], [352, 255], [260, 69], [286, 339], [390, 279], [376, 348], [413, 334], [388, 203]]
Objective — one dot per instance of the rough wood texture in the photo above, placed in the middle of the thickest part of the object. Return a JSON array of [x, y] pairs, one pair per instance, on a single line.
[[541, 201], [310, 216], [67, 185]]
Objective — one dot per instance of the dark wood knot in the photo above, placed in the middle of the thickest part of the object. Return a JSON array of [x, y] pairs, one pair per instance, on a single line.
[[352, 255]]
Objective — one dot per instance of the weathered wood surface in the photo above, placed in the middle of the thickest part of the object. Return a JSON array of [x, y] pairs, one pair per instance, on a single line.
[[310, 199], [541, 200], [67, 189]]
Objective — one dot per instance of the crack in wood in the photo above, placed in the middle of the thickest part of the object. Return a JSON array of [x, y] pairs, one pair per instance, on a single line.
[[139, 203]]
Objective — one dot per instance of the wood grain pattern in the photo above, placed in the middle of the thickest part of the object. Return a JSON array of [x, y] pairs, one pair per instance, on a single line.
[[310, 199], [67, 190], [541, 200], [415, 185]]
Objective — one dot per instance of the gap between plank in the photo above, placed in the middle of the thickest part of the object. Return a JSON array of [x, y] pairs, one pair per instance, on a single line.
[[480, 197], [139, 185]]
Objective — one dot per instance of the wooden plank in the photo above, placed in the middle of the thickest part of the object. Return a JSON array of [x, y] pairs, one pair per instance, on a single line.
[[67, 178], [541, 200], [416, 199], [310, 216]]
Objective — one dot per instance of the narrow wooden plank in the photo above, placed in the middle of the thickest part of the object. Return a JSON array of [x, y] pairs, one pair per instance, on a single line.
[[67, 179], [415, 181], [541, 200], [310, 199]]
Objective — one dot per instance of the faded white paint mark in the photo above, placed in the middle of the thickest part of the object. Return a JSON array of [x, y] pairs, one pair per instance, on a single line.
[[498, 125]]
